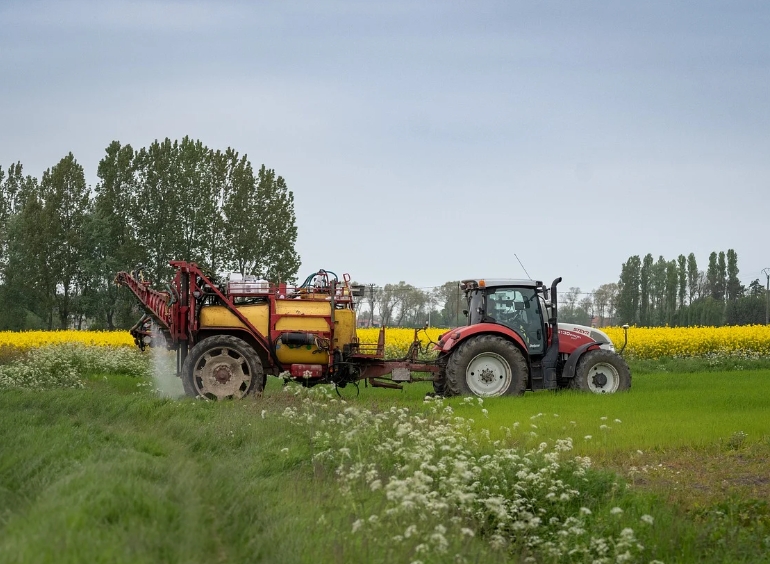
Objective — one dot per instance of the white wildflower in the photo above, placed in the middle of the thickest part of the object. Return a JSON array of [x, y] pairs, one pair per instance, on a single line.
[[467, 532], [497, 542], [616, 511], [357, 524], [648, 519]]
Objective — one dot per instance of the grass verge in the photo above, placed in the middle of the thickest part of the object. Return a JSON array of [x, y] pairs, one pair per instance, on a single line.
[[111, 473]]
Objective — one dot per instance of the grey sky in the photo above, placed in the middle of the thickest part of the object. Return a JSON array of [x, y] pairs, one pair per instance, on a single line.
[[429, 141]]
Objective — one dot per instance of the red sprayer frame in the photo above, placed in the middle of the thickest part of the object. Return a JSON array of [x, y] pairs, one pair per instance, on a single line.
[[176, 311]]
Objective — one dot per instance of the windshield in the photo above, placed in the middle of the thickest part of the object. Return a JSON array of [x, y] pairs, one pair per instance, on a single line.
[[515, 307]]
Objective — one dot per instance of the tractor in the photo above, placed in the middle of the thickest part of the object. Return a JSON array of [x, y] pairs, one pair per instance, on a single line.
[[513, 342], [229, 335]]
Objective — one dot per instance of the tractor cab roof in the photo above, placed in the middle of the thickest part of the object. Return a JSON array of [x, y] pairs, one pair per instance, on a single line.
[[495, 282]]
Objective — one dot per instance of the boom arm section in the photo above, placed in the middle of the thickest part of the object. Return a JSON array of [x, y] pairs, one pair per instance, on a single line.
[[157, 304]]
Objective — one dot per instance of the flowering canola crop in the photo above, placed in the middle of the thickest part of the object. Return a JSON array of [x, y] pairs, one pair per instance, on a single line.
[[26, 340], [643, 342], [657, 342]]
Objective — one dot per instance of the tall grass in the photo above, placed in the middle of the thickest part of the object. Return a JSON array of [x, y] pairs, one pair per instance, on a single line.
[[113, 473]]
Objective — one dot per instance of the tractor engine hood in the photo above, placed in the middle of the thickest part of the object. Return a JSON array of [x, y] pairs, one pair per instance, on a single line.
[[580, 334]]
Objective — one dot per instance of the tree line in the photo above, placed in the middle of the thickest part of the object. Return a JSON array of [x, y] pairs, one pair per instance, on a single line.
[[61, 242], [404, 305], [676, 293], [648, 293]]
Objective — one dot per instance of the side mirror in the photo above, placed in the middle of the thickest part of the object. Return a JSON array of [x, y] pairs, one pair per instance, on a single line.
[[465, 312]]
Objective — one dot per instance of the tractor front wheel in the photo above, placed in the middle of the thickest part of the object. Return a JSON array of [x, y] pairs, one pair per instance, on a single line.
[[222, 367], [602, 372], [486, 366]]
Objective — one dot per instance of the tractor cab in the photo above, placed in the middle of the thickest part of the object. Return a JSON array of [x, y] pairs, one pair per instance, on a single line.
[[519, 305]]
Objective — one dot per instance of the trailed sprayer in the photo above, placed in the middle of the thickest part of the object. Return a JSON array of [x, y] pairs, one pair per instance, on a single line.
[[230, 335]]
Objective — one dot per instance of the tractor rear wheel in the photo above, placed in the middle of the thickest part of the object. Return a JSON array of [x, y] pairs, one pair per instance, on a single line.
[[486, 366], [602, 372], [222, 367]]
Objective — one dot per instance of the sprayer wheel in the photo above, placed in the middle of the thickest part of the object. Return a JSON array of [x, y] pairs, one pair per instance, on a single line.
[[222, 367]]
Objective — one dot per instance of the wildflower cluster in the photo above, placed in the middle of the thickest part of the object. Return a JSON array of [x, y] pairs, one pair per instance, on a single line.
[[428, 483], [63, 366]]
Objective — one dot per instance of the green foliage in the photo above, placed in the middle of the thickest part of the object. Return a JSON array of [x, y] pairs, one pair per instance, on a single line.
[[676, 293], [60, 249]]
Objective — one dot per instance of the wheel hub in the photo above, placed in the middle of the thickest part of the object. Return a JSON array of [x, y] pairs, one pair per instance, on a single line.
[[222, 374], [603, 378], [487, 376]]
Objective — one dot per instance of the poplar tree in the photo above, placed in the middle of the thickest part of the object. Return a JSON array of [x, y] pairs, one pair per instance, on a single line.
[[733, 288], [682, 279], [712, 277], [628, 291], [644, 289], [692, 276]]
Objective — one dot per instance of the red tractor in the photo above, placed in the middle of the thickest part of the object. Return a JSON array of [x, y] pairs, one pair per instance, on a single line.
[[230, 335], [513, 342]]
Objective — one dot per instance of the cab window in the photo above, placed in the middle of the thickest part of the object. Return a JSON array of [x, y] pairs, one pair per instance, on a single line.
[[518, 309]]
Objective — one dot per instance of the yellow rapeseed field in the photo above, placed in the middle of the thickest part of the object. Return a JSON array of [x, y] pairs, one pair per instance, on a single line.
[[656, 342], [25, 340], [643, 342]]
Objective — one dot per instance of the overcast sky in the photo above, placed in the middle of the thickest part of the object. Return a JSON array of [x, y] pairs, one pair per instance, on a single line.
[[429, 141]]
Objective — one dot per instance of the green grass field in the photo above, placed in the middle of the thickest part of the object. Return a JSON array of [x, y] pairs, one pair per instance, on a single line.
[[111, 473]]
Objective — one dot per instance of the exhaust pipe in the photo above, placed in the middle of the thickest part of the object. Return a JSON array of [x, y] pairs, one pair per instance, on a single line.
[[551, 357]]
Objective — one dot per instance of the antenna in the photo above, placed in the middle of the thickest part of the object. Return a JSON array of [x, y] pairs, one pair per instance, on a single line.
[[522, 266]]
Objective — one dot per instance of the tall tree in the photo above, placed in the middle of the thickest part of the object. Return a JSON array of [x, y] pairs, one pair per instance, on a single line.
[[155, 207], [733, 287], [628, 291], [712, 277], [644, 288], [449, 298], [12, 190], [111, 243], [672, 282], [682, 279], [29, 281], [721, 276], [658, 291], [278, 258], [692, 276], [66, 198], [260, 225]]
